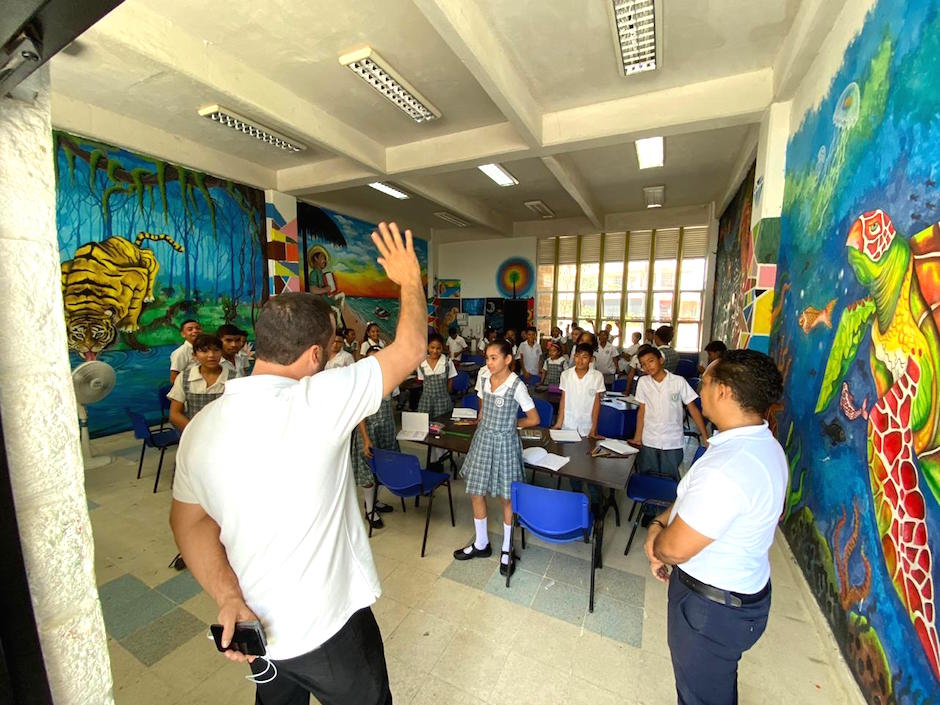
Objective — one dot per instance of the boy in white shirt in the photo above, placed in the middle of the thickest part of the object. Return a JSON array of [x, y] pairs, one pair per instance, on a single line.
[[606, 355], [182, 358], [661, 396], [455, 345], [339, 356], [628, 358], [529, 355]]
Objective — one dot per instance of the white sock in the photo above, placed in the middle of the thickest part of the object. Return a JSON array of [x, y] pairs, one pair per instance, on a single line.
[[369, 494], [482, 540], [507, 534]]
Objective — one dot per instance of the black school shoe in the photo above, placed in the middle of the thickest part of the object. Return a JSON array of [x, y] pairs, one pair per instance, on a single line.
[[504, 567], [377, 523], [461, 555], [384, 508]]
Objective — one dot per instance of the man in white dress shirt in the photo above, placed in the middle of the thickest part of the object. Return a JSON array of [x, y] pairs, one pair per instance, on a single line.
[[607, 354], [455, 344], [718, 532]]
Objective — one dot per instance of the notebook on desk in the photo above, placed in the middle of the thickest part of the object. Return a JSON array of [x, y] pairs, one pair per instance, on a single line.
[[414, 426], [539, 457]]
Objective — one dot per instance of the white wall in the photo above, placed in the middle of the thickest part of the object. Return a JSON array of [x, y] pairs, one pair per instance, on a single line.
[[475, 263]]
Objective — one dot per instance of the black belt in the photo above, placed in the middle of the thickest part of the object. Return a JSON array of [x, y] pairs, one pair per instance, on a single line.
[[722, 597]]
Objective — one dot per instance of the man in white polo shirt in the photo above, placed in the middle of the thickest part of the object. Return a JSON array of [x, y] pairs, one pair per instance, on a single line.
[[718, 532], [455, 344], [607, 354], [264, 509]]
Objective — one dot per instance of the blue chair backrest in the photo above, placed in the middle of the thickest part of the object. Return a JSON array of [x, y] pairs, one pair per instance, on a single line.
[[629, 422], [546, 413], [532, 380], [548, 512], [645, 486], [461, 382], [478, 359], [610, 422], [164, 400], [686, 368], [695, 383], [471, 401], [139, 423], [397, 471], [699, 452], [619, 385]]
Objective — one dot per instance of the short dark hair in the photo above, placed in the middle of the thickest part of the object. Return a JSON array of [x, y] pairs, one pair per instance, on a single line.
[[664, 333], [505, 347], [752, 376], [530, 329], [289, 324], [206, 341], [584, 347], [372, 350], [436, 337], [649, 350], [189, 320], [228, 329], [716, 346], [593, 342]]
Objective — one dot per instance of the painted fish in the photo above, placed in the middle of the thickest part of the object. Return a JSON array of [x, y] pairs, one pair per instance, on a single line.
[[812, 317], [834, 431], [847, 405]]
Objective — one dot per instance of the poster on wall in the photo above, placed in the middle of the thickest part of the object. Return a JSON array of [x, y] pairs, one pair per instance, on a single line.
[[448, 288], [338, 257], [515, 278], [144, 245], [494, 314], [448, 311], [858, 344], [473, 307]]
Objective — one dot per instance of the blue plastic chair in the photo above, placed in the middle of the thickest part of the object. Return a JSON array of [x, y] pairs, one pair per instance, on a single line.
[[403, 477], [471, 401], [164, 404], [164, 439], [629, 422], [610, 422], [686, 368], [699, 452], [461, 384], [546, 413], [619, 385], [477, 359], [690, 429], [555, 516], [649, 490], [695, 383]]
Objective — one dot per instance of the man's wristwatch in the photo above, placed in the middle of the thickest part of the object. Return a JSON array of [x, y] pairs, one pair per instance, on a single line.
[[658, 523]]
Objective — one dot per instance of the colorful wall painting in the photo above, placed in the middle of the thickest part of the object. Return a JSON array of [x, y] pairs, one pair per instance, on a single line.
[[473, 307], [856, 334], [493, 314], [283, 266], [745, 273], [447, 288], [515, 278], [144, 245], [448, 311]]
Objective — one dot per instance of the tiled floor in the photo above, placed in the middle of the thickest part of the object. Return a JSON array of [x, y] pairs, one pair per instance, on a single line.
[[453, 632]]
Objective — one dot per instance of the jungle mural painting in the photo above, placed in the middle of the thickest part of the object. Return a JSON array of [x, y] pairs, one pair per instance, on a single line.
[[144, 245], [857, 330]]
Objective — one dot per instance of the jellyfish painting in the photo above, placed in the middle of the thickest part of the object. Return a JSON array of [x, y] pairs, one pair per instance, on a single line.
[[846, 113]]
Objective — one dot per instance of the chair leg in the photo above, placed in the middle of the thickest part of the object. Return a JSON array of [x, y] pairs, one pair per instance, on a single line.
[[636, 523], [427, 523], [632, 511], [140, 465], [450, 501], [159, 468], [523, 537], [402, 504], [558, 484], [593, 565], [613, 503]]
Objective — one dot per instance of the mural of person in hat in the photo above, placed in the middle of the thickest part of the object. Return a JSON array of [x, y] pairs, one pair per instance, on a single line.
[[323, 282]]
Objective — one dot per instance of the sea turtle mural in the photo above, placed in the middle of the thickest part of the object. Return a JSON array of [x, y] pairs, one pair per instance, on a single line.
[[903, 278]]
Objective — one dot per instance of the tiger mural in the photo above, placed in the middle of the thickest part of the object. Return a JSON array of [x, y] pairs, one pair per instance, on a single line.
[[104, 288]]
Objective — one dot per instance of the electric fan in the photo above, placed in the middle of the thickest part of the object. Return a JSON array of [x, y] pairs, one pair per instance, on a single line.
[[93, 381]]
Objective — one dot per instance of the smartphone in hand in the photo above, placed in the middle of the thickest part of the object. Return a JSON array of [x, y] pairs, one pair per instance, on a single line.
[[248, 639]]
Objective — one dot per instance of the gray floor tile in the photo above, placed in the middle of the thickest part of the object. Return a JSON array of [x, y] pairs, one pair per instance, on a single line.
[[620, 585], [571, 570], [128, 604], [561, 600], [616, 620], [522, 587], [535, 559], [152, 642], [182, 587], [475, 573]]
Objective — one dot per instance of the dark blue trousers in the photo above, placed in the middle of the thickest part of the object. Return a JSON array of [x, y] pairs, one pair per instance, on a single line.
[[706, 641]]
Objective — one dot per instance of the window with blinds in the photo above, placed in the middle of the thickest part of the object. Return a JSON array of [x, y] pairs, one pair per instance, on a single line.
[[626, 281]]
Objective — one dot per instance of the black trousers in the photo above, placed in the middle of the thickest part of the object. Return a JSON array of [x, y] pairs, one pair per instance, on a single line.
[[706, 641], [348, 669]]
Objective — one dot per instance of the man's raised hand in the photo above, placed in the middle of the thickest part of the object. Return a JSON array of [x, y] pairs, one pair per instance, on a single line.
[[397, 256]]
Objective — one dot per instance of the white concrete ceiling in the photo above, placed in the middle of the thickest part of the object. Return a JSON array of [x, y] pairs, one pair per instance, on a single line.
[[531, 84]]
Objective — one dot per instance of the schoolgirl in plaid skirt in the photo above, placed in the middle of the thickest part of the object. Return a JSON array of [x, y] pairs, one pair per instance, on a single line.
[[494, 460]]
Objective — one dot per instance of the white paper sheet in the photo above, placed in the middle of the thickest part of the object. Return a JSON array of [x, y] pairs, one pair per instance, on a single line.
[[562, 436]]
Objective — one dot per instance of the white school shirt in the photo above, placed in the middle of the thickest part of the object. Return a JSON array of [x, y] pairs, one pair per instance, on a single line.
[[232, 368], [665, 409], [366, 344], [182, 358], [591, 366], [340, 359], [580, 393], [604, 358], [197, 383], [632, 361], [455, 346], [521, 395], [481, 346], [530, 354], [269, 462], [425, 368], [734, 494]]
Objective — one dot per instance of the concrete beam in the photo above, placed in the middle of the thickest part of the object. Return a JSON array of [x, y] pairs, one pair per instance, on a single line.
[[466, 30], [458, 204], [458, 150], [567, 174], [324, 175], [742, 162], [802, 44], [682, 216]]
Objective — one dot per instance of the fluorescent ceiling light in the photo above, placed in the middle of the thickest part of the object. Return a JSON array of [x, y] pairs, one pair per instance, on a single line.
[[655, 196], [389, 190], [633, 23], [229, 118], [379, 74], [452, 219], [649, 152], [540, 208], [498, 174]]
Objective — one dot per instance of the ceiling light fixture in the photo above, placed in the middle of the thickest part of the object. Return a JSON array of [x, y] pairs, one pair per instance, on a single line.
[[452, 219], [377, 72], [633, 23], [540, 208], [655, 196], [649, 152], [239, 123], [389, 190], [498, 174]]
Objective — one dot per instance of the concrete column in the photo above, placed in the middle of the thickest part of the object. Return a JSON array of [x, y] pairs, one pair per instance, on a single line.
[[38, 407], [771, 162]]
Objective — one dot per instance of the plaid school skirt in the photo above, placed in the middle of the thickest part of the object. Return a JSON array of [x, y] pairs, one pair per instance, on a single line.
[[382, 431], [494, 460]]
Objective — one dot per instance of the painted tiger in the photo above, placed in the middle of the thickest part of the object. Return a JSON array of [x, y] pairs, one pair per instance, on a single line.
[[104, 288]]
